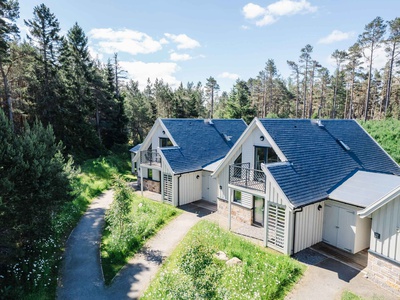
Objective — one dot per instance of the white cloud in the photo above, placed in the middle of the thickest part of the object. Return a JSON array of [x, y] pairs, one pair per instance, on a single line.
[[252, 11], [141, 71], [183, 41], [95, 54], [228, 75], [125, 40], [272, 13], [336, 36], [244, 27], [179, 57]]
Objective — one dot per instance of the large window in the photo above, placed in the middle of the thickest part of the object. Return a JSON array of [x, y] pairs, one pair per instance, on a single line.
[[264, 155], [165, 142], [238, 160]]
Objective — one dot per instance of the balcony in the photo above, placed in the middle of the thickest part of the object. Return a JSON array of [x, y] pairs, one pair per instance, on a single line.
[[241, 175], [150, 157]]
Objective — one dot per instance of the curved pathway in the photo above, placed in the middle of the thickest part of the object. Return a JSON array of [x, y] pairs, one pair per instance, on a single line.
[[81, 276]]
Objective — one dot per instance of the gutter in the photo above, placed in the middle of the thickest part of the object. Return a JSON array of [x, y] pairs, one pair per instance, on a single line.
[[179, 190]]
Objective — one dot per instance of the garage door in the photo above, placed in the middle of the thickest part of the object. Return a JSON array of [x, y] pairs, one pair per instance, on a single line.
[[339, 227]]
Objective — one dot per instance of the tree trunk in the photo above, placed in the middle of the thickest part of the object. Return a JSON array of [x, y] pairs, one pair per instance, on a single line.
[[305, 91], [369, 84], [389, 83], [7, 95]]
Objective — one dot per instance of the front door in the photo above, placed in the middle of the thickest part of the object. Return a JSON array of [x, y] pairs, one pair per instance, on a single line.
[[258, 211]]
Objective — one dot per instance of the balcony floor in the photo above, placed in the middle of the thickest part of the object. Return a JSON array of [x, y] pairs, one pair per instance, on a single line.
[[250, 184]]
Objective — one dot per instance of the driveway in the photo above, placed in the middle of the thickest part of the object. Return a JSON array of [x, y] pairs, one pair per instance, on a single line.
[[81, 276], [327, 278]]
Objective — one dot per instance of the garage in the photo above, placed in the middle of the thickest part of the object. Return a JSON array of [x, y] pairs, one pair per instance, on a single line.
[[344, 229]]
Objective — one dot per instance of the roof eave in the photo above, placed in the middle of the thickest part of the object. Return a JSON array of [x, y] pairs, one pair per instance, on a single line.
[[378, 204]]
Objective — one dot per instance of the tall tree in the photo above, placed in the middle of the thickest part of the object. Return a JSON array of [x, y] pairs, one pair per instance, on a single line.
[[353, 57], [392, 48], [211, 87], [44, 30], [271, 72], [339, 57], [9, 13], [370, 40], [305, 58], [314, 66], [296, 70]]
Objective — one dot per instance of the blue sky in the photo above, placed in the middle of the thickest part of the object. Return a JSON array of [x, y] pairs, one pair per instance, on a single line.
[[183, 41]]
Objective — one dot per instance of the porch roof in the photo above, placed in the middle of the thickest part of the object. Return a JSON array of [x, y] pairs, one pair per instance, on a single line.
[[365, 188], [135, 149]]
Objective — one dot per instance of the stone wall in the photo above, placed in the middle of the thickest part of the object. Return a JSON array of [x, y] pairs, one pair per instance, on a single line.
[[152, 186], [384, 272], [239, 213]]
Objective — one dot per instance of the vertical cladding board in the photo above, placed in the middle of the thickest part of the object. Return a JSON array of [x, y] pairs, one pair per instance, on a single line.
[[386, 222], [190, 187]]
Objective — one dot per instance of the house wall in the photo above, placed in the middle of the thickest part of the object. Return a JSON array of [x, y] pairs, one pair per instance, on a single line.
[[384, 251], [155, 139], [223, 177], [152, 186], [190, 187], [209, 187], [238, 212], [386, 222], [309, 224], [248, 146]]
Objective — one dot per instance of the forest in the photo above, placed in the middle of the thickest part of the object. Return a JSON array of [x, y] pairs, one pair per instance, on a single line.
[[60, 107]]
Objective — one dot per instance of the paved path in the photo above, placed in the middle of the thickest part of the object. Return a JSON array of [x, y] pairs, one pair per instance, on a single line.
[[326, 278], [81, 274]]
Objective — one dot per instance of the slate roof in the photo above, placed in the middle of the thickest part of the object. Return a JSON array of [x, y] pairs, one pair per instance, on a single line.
[[135, 148], [318, 163], [200, 143]]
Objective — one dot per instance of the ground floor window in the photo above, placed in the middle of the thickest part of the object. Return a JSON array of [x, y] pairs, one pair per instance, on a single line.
[[276, 224], [167, 187], [237, 197]]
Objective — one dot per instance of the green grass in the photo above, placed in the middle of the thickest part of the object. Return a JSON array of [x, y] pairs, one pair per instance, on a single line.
[[145, 219], [346, 295], [192, 271], [93, 177]]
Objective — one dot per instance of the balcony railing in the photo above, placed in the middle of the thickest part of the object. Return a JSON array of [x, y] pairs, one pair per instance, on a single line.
[[241, 175], [150, 157]]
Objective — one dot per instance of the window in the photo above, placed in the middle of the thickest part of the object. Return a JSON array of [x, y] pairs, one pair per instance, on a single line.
[[149, 174], [276, 225], [165, 142], [264, 155], [238, 160], [237, 197]]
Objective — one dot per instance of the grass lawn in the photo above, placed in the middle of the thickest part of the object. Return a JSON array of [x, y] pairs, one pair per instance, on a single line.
[[346, 295], [193, 272], [145, 219]]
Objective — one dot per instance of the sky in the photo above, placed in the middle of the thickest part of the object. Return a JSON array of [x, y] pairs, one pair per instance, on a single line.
[[189, 41]]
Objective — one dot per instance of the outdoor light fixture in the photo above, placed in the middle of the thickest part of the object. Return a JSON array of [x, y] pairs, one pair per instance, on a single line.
[[262, 138], [319, 207], [163, 132], [198, 176]]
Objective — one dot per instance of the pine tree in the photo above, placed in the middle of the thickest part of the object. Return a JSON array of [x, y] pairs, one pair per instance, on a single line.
[[211, 88]]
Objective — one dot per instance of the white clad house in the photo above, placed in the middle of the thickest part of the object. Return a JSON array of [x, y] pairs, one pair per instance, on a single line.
[[178, 156], [308, 181]]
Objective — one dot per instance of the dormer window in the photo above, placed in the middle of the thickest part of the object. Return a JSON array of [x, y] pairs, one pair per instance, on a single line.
[[165, 142]]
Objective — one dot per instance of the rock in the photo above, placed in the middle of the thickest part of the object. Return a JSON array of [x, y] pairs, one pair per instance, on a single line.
[[234, 261], [221, 255]]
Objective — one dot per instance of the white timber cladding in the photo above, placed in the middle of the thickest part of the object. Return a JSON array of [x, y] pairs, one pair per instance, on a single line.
[[209, 187], [247, 200], [309, 224], [386, 223], [156, 175], [223, 177], [167, 188], [248, 146], [190, 187]]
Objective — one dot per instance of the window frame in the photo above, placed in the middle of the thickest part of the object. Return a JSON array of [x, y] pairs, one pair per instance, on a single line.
[[237, 196]]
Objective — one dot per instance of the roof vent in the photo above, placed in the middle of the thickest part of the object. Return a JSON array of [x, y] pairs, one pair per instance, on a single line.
[[344, 146], [227, 137], [208, 121], [317, 122]]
